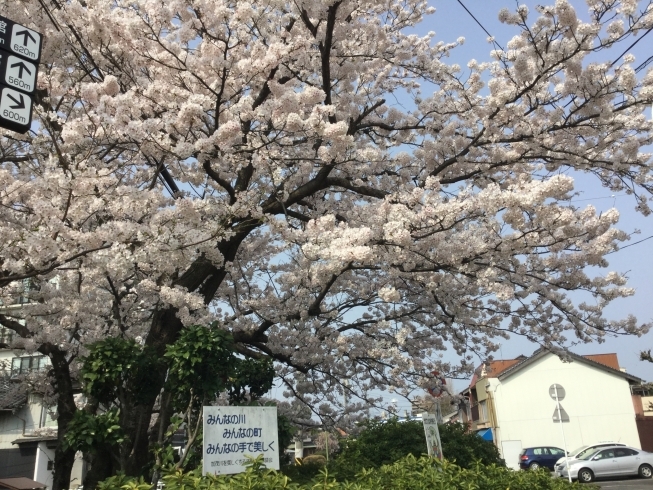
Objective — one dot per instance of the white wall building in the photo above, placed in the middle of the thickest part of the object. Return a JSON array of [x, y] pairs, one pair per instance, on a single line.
[[28, 432], [515, 405]]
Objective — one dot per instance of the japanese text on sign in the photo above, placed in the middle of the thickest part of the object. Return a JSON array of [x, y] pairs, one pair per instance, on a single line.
[[234, 434]]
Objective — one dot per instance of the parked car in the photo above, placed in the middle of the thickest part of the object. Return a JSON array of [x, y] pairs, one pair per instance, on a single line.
[[534, 458], [585, 450], [611, 461]]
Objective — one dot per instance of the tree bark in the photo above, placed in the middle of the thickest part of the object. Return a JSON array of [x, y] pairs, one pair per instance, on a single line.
[[66, 408]]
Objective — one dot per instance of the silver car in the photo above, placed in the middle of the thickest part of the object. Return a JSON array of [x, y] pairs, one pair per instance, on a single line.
[[610, 461], [578, 453]]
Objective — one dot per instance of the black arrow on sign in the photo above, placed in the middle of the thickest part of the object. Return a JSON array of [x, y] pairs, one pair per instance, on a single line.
[[26, 35], [21, 66], [19, 105]]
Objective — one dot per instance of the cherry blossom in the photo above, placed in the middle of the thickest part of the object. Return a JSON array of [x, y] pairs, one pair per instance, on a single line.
[[245, 165]]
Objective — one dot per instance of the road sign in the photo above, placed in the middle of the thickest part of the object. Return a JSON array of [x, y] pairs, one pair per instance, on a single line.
[[556, 391], [234, 434], [15, 110], [20, 52], [432, 433], [18, 73], [20, 40], [560, 417]]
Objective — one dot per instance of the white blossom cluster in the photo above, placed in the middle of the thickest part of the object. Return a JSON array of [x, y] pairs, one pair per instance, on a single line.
[[243, 163]]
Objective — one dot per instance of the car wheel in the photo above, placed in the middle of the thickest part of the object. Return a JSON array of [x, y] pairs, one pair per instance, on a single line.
[[645, 471], [585, 475], [534, 466]]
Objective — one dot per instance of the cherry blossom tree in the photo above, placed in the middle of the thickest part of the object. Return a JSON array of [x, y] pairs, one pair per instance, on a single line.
[[314, 178]]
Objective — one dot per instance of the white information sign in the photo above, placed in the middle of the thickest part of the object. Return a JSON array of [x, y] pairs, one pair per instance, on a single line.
[[15, 108], [20, 74], [25, 42], [232, 434], [432, 433]]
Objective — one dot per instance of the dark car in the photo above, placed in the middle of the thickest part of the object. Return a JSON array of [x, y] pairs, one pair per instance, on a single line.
[[534, 458]]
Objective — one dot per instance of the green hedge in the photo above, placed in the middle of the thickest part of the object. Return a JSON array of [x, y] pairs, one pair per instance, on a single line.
[[384, 442], [409, 473]]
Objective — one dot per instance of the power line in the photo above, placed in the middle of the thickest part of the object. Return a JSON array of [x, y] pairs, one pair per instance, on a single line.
[[481, 25], [596, 198], [644, 65], [629, 47], [631, 244]]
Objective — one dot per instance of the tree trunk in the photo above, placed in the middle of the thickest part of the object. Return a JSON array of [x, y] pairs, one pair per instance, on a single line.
[[66, 408], [100, 469]]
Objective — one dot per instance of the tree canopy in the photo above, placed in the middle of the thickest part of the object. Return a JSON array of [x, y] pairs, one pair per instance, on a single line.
[[314, 179]]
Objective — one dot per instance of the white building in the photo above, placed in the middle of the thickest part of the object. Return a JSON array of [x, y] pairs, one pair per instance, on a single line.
[[27, 430], [511, 405]]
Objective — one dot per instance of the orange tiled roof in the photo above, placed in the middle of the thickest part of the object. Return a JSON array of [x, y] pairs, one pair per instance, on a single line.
[[609, 360], [494, 368]]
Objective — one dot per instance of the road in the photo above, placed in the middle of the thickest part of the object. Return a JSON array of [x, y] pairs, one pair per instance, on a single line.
[[630, 484]]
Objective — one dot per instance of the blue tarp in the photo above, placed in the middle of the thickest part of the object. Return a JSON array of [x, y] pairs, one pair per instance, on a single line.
[[485, 434]]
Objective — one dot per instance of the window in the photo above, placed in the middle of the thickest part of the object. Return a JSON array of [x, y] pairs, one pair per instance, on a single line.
[[621, 452], [607, 454], [50, 465], [482, 406], [27, 364], [539, 451], [556, 452], [6, 335]]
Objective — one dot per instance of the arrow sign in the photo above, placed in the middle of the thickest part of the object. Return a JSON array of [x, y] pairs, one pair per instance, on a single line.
[[27, 35], [25, 42], [20, 104], [20, 40], [20, 52], [21, 66], [15, 110], [18, 73]]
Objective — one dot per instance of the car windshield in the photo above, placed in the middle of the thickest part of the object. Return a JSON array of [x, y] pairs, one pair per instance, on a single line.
[[578, 450], [588, 453]]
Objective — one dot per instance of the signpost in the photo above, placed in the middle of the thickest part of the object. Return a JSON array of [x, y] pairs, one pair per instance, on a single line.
[[232, 434], [433, 443], [557, 392], [20, 52]]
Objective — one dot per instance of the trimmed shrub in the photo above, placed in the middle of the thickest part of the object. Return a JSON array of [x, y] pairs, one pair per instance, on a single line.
[[409, 473], [386, 442]]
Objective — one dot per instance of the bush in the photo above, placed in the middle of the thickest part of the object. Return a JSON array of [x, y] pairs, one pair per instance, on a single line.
[[409, 473], [383, 443], [316, 459], [465, 448], [305, 469]]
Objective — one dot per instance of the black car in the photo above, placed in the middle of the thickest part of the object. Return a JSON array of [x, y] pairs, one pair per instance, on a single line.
[[534, 458]]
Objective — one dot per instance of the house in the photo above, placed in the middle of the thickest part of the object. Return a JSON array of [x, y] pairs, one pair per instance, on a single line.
[[28, 429], [510, 404]]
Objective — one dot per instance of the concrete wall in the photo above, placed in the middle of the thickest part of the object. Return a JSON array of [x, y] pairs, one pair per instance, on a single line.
[[14, 425], [598, 403], [43, 456]]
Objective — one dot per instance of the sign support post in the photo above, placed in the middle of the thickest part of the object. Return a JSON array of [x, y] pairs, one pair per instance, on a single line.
[[557, 392]]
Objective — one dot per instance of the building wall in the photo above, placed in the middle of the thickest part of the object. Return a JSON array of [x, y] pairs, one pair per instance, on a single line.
[[17, 462], [22, 422], [44, 455], [598, 403]]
